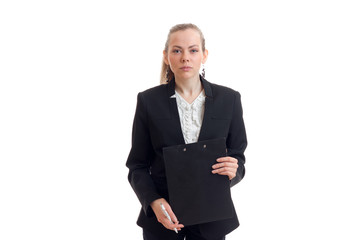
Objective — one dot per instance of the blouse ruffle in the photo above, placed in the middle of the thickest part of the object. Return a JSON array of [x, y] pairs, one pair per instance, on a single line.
[[191, 116]]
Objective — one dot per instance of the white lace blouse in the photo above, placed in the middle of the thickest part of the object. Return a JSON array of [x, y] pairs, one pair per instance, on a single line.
[[191, 116]]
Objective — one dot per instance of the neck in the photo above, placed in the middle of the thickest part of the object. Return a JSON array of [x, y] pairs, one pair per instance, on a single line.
[[188, 87]]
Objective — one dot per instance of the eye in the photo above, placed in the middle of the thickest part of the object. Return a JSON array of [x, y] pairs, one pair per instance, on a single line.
[[194, 50], [176, 51]]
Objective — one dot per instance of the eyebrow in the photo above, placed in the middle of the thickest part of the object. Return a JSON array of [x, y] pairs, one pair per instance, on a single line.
[[195, 45]]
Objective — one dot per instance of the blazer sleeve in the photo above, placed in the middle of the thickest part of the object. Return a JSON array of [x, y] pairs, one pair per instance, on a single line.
[[236, 140], [139, 160]]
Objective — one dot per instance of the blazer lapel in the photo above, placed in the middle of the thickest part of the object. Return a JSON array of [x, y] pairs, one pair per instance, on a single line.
[[174, 113], [208, 112]]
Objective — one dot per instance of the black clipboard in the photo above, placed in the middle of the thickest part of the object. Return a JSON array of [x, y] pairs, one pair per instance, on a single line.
[[196, 194]]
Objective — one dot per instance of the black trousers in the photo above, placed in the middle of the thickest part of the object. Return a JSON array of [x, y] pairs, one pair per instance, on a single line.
[[187, 233]]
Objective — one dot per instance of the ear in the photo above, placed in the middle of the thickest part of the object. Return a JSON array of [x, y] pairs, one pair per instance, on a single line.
[[165, 58], [205, 56]]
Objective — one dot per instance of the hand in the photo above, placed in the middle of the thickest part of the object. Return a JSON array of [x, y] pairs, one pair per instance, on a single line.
[[155, 205], [226, 166]]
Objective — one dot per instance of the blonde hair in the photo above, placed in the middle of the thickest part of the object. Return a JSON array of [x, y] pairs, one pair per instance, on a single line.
[[166, 73]]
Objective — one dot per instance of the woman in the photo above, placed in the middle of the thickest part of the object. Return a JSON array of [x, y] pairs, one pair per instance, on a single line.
[[185, 108]]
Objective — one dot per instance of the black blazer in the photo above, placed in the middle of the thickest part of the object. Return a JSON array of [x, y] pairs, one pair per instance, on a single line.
[[157, 125]]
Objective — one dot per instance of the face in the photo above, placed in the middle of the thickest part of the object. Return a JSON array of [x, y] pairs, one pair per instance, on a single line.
[[185, 54]]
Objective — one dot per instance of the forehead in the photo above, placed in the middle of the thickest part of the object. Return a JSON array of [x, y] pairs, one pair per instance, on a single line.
[[186, 37]]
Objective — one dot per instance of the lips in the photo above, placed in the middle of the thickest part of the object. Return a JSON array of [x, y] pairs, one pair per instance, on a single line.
[[186, 68]]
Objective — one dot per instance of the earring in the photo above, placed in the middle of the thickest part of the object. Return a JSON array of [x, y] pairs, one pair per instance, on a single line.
[[203, 71]]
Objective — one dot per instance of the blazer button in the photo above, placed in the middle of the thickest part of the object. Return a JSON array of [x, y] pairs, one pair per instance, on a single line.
[[204, 145], [184, 149]]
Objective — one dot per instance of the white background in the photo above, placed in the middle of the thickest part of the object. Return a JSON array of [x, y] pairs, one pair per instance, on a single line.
[[69, 75]]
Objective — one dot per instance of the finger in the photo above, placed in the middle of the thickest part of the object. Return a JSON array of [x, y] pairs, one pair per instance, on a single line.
[[171, 214], [227, 159], [224, 169], [225, 164], [169, 225], [230, 174], [180, 226]]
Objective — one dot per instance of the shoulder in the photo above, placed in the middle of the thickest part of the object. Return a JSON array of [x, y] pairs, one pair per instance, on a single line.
[[155, 97], [220, 89], [223, 93], [154, 92]]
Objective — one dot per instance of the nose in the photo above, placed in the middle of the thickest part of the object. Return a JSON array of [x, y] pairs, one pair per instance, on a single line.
[[185, 57]]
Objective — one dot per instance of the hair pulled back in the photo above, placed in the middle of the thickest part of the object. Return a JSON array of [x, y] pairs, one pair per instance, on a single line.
[[166, 73]]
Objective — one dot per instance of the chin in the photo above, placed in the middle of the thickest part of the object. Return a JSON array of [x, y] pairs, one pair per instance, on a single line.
[[187, 75]]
